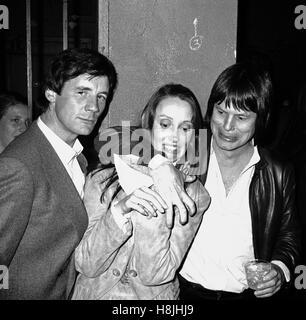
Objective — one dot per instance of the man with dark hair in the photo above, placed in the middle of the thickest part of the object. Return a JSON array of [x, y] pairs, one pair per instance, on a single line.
[[42, 217], [252, 211], [42, 177]]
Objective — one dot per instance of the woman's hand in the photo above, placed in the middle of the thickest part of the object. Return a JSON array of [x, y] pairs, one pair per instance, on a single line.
[[143, 200], [169, 183]]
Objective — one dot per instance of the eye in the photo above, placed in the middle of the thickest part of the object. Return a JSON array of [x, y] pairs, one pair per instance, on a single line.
[[220, 111], [187, 128], [15, 120], [164, 124], [102, 98], [242, 118], [81, 93]]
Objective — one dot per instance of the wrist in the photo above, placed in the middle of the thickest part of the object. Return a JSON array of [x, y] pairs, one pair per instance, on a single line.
[[120, 208], [157, 161]]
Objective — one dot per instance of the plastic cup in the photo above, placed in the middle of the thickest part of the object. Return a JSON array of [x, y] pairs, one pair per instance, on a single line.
[[255, 270]]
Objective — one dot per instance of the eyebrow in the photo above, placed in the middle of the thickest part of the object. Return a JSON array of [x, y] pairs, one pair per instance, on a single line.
[[185, 121], [89, 89]]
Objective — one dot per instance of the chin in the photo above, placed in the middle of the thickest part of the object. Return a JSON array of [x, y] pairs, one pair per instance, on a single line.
[[85, 131], [228, 146]]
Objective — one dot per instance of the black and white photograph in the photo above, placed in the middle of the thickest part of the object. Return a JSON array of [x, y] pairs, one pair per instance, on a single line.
[[153, 154]]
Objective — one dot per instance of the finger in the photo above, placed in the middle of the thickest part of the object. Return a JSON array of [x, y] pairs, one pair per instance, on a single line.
[[189, 203], [149, 215], [138, 208], [189, 178], [185, 169], [171, 195], [268, 288], [144, 203], [183, 213], [180, 206], [149, 197], [169, 216], [183, 200], [159, 203], [266, 292]]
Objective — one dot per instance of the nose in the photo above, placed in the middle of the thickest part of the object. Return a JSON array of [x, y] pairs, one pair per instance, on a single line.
[[23, 127], [229, 123], [92, 104], [174, 135]]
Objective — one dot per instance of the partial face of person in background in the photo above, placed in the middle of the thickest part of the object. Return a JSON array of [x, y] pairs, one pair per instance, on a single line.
[[14, 122], [232, 129], [172, 129]]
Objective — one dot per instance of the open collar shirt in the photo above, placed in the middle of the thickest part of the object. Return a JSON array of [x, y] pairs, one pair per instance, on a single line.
[[68, 156], [224, 240]]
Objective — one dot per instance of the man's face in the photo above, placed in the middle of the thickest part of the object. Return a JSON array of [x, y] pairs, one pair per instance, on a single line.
[[76, 110], [232, 129]]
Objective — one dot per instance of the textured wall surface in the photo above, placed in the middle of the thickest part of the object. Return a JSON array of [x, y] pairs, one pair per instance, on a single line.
[[153, 42]]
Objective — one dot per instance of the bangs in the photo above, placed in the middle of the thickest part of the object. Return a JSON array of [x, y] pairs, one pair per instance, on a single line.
[[245, 101]]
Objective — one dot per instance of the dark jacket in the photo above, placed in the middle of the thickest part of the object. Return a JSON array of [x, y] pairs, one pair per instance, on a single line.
[[276, 230], [275, 225]]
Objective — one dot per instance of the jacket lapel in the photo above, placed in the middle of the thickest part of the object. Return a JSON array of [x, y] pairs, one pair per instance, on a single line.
[[61, 183]]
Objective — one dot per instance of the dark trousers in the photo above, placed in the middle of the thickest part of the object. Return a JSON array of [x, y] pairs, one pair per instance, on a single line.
[[196, 292]]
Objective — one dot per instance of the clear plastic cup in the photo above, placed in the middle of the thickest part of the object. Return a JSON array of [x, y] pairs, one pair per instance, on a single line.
[[255, 270]]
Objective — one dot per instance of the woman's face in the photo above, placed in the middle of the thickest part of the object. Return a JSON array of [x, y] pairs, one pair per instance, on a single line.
[[14, 122], [172, 128]]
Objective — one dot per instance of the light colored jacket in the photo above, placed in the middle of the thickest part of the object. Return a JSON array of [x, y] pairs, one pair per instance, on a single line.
[[140, 263]]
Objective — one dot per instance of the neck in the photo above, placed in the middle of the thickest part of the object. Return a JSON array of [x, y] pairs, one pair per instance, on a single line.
[[54, 125], [233, 158]]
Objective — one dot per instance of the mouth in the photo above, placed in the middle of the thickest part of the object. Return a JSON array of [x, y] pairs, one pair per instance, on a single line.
[[227, 138], [170, 147], [171, 150], [88, 121]]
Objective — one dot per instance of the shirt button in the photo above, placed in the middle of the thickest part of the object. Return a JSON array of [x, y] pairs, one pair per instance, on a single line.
[[133, 273], [116, 272]]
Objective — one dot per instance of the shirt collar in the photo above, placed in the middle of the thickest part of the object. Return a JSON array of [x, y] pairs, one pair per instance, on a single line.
[[63, 150]]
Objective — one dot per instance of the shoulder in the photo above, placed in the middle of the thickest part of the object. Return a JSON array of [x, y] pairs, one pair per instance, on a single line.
[[273, 160], [273, 166]]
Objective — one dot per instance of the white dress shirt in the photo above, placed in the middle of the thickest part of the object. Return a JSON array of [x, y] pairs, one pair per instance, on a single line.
[[224, 240], [68, 156]]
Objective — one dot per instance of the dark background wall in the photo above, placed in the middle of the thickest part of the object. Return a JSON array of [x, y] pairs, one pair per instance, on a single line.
[[47, 39], [149, 43], [268, 27]]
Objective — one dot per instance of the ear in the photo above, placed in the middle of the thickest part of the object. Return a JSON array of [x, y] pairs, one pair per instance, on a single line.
[[50, 95]]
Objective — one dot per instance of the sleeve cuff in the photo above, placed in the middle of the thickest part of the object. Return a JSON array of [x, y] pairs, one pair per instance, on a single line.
[[284, 269]]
